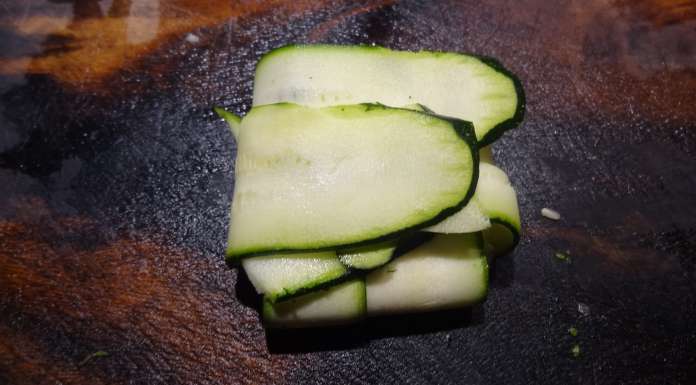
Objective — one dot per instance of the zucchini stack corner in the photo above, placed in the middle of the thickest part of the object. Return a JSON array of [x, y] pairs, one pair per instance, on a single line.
[[365, 183]]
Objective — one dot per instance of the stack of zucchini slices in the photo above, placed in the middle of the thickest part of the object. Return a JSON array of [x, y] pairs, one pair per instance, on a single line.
[[365, 185]]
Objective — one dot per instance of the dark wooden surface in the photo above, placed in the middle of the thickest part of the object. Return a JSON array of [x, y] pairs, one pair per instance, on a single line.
[[115, 181]]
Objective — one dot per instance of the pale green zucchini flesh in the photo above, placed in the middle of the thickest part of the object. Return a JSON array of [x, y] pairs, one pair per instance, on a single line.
[[368, 257], [337, 305], [280, 276], [466, 87], [345, 175], [449, 271]]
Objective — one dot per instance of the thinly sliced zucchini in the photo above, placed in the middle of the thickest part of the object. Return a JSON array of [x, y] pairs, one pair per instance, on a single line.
[[362, 258], [337, 305], [467, 220], [449, 271], [285, 275], [232, 120], [368, 257], [345, 175], [498, 200], [467, 87]]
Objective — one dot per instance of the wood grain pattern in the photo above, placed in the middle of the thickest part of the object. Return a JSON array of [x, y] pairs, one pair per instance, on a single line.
[[144, 303], [115, 180], [87, 42]]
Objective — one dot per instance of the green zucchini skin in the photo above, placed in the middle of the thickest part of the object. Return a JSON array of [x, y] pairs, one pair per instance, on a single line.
[[498, 130], [464, 130], [486, 139]]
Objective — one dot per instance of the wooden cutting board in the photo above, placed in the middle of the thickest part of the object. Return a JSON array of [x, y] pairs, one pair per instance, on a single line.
[[116, 179]]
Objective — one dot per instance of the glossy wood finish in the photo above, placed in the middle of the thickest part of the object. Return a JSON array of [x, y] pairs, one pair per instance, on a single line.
[[115, 181]]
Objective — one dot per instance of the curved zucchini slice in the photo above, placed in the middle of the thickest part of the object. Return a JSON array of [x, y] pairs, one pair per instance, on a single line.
[[337, 305], [234, 121], [466, 87], [449, 271], [282, 276], [467, 220], [368, 257], [498, 200], [373, 256], [345, 176]]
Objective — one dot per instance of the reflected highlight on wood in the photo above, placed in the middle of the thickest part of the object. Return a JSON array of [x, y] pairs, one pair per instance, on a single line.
[[82, 44]]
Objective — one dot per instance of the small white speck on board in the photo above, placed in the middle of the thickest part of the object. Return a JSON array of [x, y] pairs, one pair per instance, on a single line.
[[550, 214], [583, 309], [191, 38]]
